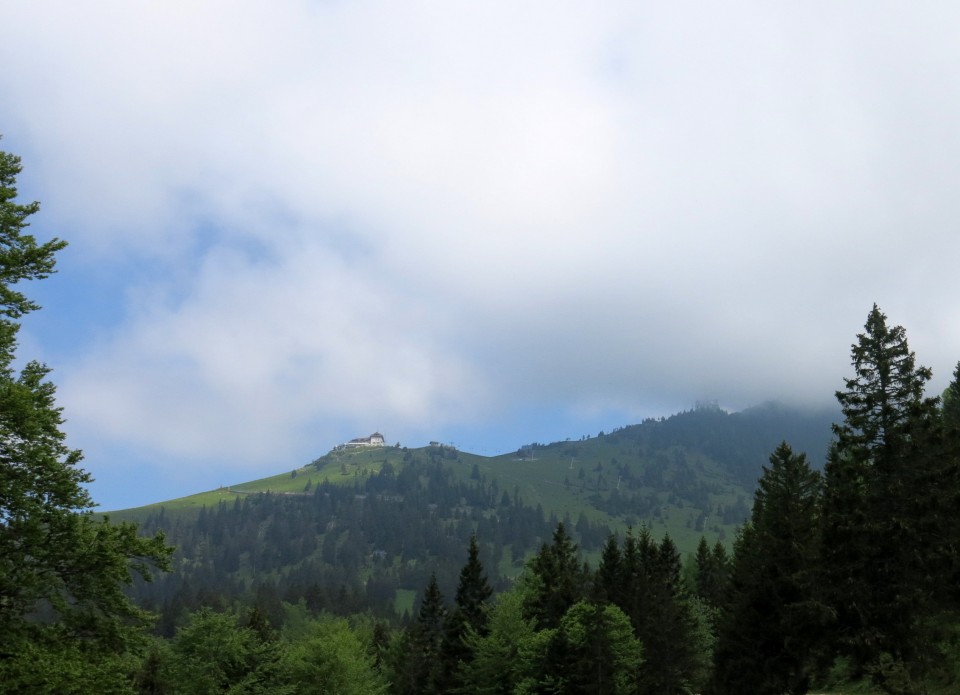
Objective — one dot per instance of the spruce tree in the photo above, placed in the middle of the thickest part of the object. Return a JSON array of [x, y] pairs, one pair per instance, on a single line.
[[879, 530], [473, 592], [674, 662], [713, 573], [415, 659], [469, 616], [557, 580], [773, 619], [607, 583]]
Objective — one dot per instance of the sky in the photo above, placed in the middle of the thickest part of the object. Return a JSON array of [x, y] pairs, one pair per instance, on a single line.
[[486, 224]]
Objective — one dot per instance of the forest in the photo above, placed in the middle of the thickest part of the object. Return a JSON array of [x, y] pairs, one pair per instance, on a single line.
[[845, 579]]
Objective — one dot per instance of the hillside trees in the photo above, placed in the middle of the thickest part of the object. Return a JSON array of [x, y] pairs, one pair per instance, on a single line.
[[56, 559]]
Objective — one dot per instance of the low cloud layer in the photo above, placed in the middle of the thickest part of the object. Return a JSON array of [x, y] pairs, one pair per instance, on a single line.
[[310, 220]]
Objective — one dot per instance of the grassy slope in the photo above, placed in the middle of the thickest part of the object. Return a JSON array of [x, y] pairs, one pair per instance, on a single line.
[[550, 479]]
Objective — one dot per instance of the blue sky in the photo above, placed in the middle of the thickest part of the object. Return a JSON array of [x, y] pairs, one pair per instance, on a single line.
[[487, 224]]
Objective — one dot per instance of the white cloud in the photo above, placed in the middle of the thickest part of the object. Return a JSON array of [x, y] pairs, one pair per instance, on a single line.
[[259, 352], [580, 205]]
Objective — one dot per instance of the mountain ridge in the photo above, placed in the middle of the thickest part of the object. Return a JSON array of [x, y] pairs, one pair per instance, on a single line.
[[365, 528]]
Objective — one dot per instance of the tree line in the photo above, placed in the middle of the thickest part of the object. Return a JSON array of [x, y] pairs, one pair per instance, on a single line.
[[345, 548], [846, 579]]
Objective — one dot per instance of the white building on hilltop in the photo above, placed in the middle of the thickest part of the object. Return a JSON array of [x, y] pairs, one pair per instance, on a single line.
[[375, 439]]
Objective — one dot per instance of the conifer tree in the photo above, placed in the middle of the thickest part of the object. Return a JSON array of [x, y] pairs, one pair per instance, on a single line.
[[417, 667], [469, 616], [713, 573], [773, 618], [608, 584], [558, 580], [949, 488], [879, 527], [54, 554], [473, 592]]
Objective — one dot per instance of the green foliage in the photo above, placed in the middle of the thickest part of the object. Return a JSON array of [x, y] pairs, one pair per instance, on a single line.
[[67, 668], [593, 650], [496, 665], [213, 653], [331, 658], [62, 571]]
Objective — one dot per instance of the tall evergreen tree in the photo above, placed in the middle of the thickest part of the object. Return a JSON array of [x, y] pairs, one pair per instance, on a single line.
[[557, 580], [949, 487], [877, 520], [668, 629], [607, 583], [415, 659], [773, 618], [713, 573], [469, 616], [54, 554], [651, 592]]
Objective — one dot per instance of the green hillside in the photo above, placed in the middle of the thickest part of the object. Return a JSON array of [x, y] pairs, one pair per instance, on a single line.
[[688, 475], [365, 528]]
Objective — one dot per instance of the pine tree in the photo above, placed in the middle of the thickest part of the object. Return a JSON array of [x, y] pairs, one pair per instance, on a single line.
[[473, 592], [713, 573], [607, 583], [675, 661], [469, 616], [416, 663], [879, 532], [557, 580], [773, 618]]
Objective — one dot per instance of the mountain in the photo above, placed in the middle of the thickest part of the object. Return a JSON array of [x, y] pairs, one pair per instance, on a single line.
[[364, 528]]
